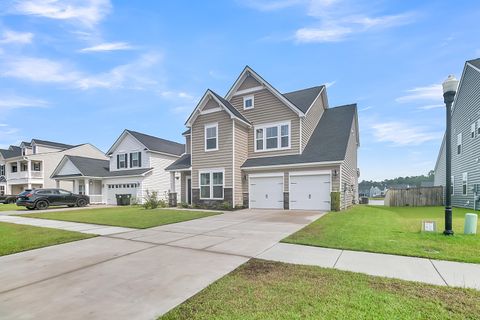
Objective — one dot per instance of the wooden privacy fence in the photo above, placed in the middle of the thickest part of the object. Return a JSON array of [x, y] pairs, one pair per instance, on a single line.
[[414, 197]]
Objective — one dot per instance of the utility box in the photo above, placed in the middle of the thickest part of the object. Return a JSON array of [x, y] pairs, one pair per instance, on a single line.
[[471, 220]]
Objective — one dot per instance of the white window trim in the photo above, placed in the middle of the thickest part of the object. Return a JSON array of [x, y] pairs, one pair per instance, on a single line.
[[211, 171], [137, 153], [465, 183], [472, 130], [125, 155], [279, 136], [478, 127], [248, 98], [207, 126], [459, 142]]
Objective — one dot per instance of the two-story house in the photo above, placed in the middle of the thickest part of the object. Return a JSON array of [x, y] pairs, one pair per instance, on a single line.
[[134, 165], [29, 165], [465, 149], [260, 148]]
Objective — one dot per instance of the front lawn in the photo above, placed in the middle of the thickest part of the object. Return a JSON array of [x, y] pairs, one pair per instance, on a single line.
[[16, 237], [129, 216], [11, 207], [395, 230], [272, 290]]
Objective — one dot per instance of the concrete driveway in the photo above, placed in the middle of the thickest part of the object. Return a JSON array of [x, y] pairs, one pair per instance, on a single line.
[[139, 274]]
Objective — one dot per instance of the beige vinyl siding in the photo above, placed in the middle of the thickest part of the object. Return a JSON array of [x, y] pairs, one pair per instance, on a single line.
[[310, 121], [221, 158], [241, 152], [187, 144], [349, 171], [211, 104], [269, 109], [248, 83]]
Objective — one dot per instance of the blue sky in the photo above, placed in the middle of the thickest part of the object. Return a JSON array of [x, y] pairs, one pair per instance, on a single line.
[[79, 71]]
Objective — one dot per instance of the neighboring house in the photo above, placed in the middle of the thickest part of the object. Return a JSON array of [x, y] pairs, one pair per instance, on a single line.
[[375, 192], [30, 165], [260, 148], [135, 165], [465, 140]]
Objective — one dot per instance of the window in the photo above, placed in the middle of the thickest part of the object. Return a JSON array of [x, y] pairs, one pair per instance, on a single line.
[[64, 192], [472, 130], [272, 137], [14, 167], [464, 183], [211, 137], [211, 185], [248, 102], [44, 192], [37, 166], [23, 166], [24, 151], [459, 143], [2, 170], [478, 127], [2, 190], [452, 185], [135, 160], [34, 149], [121, 161]]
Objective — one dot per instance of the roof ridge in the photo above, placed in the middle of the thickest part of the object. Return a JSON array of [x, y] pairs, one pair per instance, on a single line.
[[314, 87], [149, 135]]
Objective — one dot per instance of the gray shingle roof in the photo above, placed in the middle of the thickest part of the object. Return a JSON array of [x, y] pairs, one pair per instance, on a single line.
[[304, 98], [53, 144], [183, 163], [232, 109], [475, 62], [328, 142], [91, 167], [159, 144], [11, 152]]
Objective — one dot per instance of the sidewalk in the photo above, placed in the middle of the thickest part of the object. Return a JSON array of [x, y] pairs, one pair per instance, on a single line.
[[66, 225], [438, 272]]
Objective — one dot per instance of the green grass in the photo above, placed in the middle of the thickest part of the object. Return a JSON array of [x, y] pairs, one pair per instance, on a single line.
[[394, 230], [273, 290], [16, 238], [10, 207], [130, 216]]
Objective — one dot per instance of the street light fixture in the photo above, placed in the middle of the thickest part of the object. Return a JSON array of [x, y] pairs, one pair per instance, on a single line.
[[449, 90]]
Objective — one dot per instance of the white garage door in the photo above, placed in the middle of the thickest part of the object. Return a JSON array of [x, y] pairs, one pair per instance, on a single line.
[[310, 191], [266, 192], [120, 188]]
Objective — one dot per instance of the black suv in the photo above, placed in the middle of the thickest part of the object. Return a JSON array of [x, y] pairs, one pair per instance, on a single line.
[[43, 198]]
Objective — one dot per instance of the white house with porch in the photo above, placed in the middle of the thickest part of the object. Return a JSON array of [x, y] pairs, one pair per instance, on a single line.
[[136, 165]]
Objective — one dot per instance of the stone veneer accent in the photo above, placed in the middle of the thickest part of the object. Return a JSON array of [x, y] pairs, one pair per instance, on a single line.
[[286, 200], [246, 203], [227, 197]]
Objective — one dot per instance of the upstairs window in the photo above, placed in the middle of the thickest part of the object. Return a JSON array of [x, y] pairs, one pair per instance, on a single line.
[[24, 151], [248, 102], [14, 168], [121, 161], [135, 160], [2, 170], [478, 127], [472, 130], [464, 183], [272, 137], [211, 137], [34, 149], [459, 143], [23, 166], [37, 166]]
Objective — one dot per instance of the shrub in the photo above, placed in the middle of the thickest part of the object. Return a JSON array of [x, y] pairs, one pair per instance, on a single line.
[[152, 201], [184, 205], [335, 201], [134, 201], [226, 205]]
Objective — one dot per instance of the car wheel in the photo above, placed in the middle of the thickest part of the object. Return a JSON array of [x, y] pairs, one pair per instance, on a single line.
[[41, 205], [81, 203]]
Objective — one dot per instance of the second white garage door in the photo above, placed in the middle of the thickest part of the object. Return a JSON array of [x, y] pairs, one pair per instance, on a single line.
[[266, 192], [310, 191]]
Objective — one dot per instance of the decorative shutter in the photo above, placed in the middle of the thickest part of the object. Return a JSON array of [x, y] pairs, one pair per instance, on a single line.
[[139, 159], [131, 158], [118, 161]]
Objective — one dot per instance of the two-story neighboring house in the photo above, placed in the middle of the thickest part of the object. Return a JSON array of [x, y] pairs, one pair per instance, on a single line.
[[30, 165], [465, 141], [260, 148], [135, 165]]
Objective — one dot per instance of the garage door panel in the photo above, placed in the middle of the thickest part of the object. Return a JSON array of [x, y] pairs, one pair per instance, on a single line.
[[310, 192], [266, 192]]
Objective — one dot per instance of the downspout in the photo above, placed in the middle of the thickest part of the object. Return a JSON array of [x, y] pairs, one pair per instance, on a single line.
[[233, 163]]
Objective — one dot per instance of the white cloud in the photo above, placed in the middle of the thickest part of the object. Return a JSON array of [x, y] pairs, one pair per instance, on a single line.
[[108, 46], [432, 92], [15, 102], [323, 34], [270, 5], [85, 12], [10, 36], [130, 75], [365, 109], [330, 84], [401, 134], [177, 95], [431, 106]]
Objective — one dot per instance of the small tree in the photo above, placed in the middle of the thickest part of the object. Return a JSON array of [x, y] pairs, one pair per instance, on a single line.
[[335, 198], [151, 200]]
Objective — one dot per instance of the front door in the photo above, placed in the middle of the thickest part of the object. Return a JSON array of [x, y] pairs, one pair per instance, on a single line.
[[189, 190]]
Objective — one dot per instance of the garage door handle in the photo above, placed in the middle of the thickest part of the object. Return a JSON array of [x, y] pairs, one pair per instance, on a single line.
[[266, 196], [309, 196]]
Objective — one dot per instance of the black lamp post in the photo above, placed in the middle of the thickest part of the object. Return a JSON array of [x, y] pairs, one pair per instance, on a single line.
[[449, 90]]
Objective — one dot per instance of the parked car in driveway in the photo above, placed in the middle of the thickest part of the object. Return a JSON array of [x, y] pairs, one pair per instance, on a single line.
[[43, 198], [8, 198]]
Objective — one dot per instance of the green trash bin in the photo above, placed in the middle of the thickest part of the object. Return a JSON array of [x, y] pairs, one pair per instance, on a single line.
[[471, 220]]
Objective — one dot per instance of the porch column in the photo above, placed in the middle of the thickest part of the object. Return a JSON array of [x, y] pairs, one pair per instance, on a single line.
[[74, 186], [29, 169], [172, 196], [57, 184], [87, 186]]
